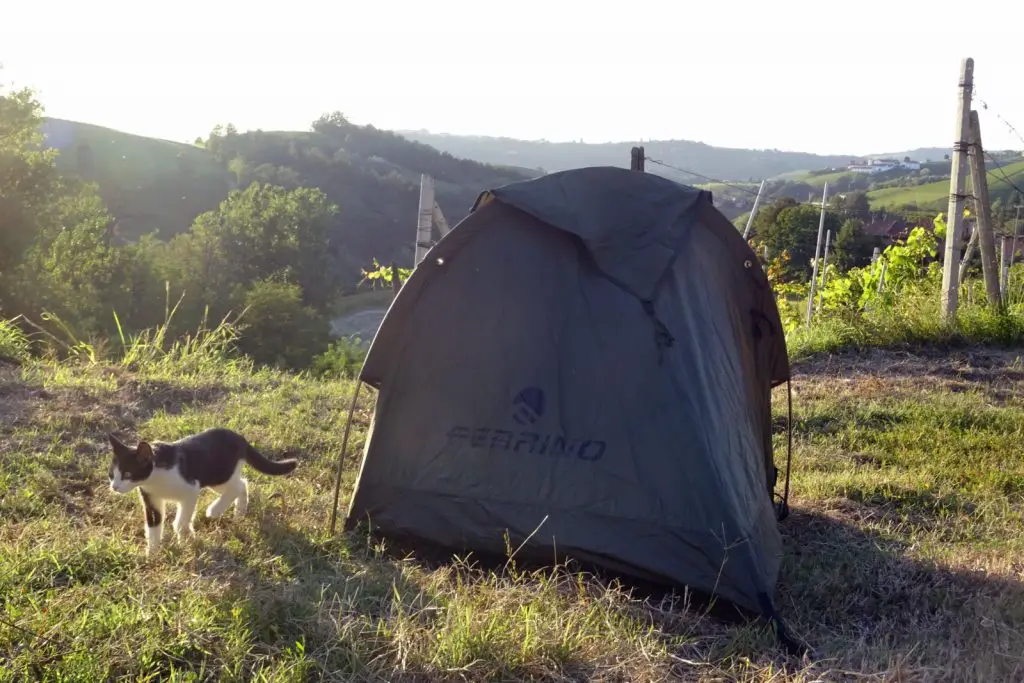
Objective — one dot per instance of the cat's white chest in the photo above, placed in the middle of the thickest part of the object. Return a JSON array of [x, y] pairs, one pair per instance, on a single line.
[[168, 484]]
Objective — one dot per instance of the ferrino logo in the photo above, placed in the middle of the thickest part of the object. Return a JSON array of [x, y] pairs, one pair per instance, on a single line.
[[527, 407]]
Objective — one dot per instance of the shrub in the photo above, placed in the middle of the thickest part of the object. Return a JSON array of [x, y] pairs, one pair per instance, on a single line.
[[279, 330], [342, 359]]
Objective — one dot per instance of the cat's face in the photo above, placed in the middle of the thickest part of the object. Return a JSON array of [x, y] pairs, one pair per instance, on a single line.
[[129, 466]]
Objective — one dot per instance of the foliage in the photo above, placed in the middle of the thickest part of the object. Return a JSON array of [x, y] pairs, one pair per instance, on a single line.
[[794, 230], [341, 360], [902, 265], [787, 293], [851, 248], [895, 302], [280, 330], [64, 268], [385, 275], [14, 343]]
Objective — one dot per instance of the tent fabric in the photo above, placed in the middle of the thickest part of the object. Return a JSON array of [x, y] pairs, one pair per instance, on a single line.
[[584, 363]]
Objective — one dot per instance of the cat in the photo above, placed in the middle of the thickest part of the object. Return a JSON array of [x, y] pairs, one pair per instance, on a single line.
[[178, 471]]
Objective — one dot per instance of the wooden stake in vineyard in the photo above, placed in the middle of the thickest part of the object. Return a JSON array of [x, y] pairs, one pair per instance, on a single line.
[[753, 212], [817, 255], [428, 217], [957, 180], [986, 237]]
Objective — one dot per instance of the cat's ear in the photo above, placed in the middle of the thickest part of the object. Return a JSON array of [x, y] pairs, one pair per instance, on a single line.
[[144, 451], [118, 446]]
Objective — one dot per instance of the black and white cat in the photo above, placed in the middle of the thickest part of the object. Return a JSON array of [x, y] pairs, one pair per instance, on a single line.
[[177, 472]]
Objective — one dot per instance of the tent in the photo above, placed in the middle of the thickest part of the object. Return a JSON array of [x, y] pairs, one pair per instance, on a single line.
[[584, 364]]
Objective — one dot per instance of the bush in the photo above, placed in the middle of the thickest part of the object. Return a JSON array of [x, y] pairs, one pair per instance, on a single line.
[[279, 330], [862, 308], [342, 359]]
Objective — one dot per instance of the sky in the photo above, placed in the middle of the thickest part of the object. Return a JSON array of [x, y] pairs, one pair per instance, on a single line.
[[855, 78]]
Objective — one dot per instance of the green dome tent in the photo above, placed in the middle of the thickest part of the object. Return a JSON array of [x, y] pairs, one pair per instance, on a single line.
[[586, 362]]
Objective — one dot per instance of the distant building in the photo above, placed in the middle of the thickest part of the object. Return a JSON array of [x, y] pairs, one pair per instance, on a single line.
[[872, 166], [892, 228]]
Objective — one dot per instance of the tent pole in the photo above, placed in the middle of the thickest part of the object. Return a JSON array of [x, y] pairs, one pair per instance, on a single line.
[[341, 456]]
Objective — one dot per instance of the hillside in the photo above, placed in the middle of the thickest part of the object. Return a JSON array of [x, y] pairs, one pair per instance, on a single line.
[[372, 175], [147, 184], [717, 162], [1001, 182]]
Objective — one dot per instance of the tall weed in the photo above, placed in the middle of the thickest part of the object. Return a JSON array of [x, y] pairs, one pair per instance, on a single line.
[[14, 343], [206, 350]]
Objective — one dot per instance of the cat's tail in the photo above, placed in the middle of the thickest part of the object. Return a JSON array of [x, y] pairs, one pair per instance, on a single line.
[[261, 463]]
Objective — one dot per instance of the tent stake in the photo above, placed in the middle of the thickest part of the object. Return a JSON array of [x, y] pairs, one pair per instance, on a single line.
[[341, 456]]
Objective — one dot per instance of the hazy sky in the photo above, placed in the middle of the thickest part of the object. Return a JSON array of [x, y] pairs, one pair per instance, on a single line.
[[829, 77]]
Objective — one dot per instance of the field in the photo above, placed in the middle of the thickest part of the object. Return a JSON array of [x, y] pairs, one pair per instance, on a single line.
[[903, 552], [936, 195]]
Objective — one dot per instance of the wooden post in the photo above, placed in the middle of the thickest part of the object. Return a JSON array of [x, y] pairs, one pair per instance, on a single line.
[[817, 255], [1004, 268], [1016, 230], [636, 161], [439, 220], [957, 179], [824, 267], [986, 238], [396, 279], [969, 252], [875, 255], [753, 211], [425, 220]]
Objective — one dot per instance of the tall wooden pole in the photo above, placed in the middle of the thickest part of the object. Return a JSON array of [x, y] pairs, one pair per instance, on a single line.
[[957, 179], [817, 254], [425, 218], [1004, 268], [636, 159], [969, 252], [824, 268], [753, 211], [1016, 230], [986, 238]]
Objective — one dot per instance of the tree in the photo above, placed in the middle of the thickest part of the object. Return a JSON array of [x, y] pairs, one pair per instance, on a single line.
[[331, 122], [766, 216], [279, 329], [795, 230], [55, 248], [852, 205], [262, 232], [853, 248], [29, 183]]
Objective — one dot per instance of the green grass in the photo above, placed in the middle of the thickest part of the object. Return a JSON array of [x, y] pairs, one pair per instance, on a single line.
[[936, 195], [902, 553], [148, 184]]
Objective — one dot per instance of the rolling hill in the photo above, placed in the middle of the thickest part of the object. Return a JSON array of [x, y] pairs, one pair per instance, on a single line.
[[1001, 182], [372, 175], [147, 184], [722, 163]]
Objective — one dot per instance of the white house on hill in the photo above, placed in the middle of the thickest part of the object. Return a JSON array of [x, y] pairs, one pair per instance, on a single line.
[[872, 166]]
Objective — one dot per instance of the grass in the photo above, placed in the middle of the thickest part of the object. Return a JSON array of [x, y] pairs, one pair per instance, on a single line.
[[914, 321], [902, 553], [936, 195]]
